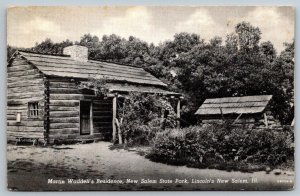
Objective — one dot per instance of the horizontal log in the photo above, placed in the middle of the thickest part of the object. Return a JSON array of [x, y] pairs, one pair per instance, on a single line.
[[63, 108], [64, 131], [102, 117], [62, 85], [212, 121], [17, 107], [102, 120], [102, 113], [12, 134], [25, 84], [25, 78], [103, 102], [23, 101], [37, 123], [19, 62], [65, 120], [39, 89], [24, 96], [20, 67], [54, 79], [10, 117], [22, 73], [25, 129], [16, 110], [102, 108], [85, 137], [24, 116], [64, 114], [64, 102], [104, 128], [70, 96], [64, 91], [98, 106], [64, 137], [63, 125], [97, 123], [34, 89], [29, 82]]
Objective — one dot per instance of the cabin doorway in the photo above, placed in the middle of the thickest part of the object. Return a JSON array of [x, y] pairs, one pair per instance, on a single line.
[[86, 117]]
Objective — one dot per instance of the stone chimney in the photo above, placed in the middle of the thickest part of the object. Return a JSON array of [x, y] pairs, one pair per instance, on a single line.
[[78, 53]]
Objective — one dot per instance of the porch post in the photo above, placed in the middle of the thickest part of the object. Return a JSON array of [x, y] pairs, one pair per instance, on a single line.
[[178, 113], [266, 120], [91, 119], [114, 133]]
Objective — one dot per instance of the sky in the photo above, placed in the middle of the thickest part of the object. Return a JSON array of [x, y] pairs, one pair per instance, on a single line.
[[29, 25]]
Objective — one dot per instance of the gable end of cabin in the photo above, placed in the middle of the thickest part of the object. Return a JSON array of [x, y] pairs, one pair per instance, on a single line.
[[25, 101]]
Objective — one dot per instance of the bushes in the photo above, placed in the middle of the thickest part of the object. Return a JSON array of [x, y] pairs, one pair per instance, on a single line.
[[217, 146], [142, 115]]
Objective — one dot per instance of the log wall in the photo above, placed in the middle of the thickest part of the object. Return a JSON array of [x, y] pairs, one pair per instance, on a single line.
[[24, 84], [255, 121], [64, 113]]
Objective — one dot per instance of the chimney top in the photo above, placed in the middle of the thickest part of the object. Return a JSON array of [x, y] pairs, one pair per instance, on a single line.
[[78, 53]]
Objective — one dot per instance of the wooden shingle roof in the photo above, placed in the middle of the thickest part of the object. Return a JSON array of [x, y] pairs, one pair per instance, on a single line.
[[64, 66], [234, 105]]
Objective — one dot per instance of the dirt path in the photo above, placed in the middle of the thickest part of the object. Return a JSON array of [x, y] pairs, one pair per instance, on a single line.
[[31, 168]]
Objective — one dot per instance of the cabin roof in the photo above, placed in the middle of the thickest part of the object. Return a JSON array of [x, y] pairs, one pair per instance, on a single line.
[[65, 66], [234, 105]]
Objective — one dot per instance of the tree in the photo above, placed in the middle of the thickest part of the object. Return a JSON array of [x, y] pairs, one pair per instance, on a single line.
[[49, 47], [248, 36], [92, 43], [231, 44], [267, 51], [242, 66], [111, 48]]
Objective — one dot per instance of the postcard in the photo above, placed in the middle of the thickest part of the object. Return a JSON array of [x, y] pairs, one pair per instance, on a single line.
[[150, 98]]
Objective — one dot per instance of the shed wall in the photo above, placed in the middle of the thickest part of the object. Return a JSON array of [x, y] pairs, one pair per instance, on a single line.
[[254, 120]]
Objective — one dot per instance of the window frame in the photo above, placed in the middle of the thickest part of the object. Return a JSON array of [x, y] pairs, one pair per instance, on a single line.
[[33, 109]]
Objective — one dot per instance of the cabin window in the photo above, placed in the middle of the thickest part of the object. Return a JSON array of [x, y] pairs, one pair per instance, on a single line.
[[33, 109]]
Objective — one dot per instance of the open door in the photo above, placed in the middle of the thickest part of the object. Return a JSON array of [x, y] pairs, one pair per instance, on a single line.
[[85, 117]]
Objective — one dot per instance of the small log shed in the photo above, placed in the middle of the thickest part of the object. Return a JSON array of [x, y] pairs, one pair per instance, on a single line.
[[45, 104], [253, 111]]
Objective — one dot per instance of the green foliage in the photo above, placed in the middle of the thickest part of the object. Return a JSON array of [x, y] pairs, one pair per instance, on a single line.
[[143, 115], [220, 146]]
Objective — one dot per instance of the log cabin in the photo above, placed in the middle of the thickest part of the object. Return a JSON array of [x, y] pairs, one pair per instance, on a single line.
[[252, 111], [45, 103]]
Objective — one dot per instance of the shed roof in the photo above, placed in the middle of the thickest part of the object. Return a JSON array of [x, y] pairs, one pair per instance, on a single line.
[[64, 66], [234, 105]]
